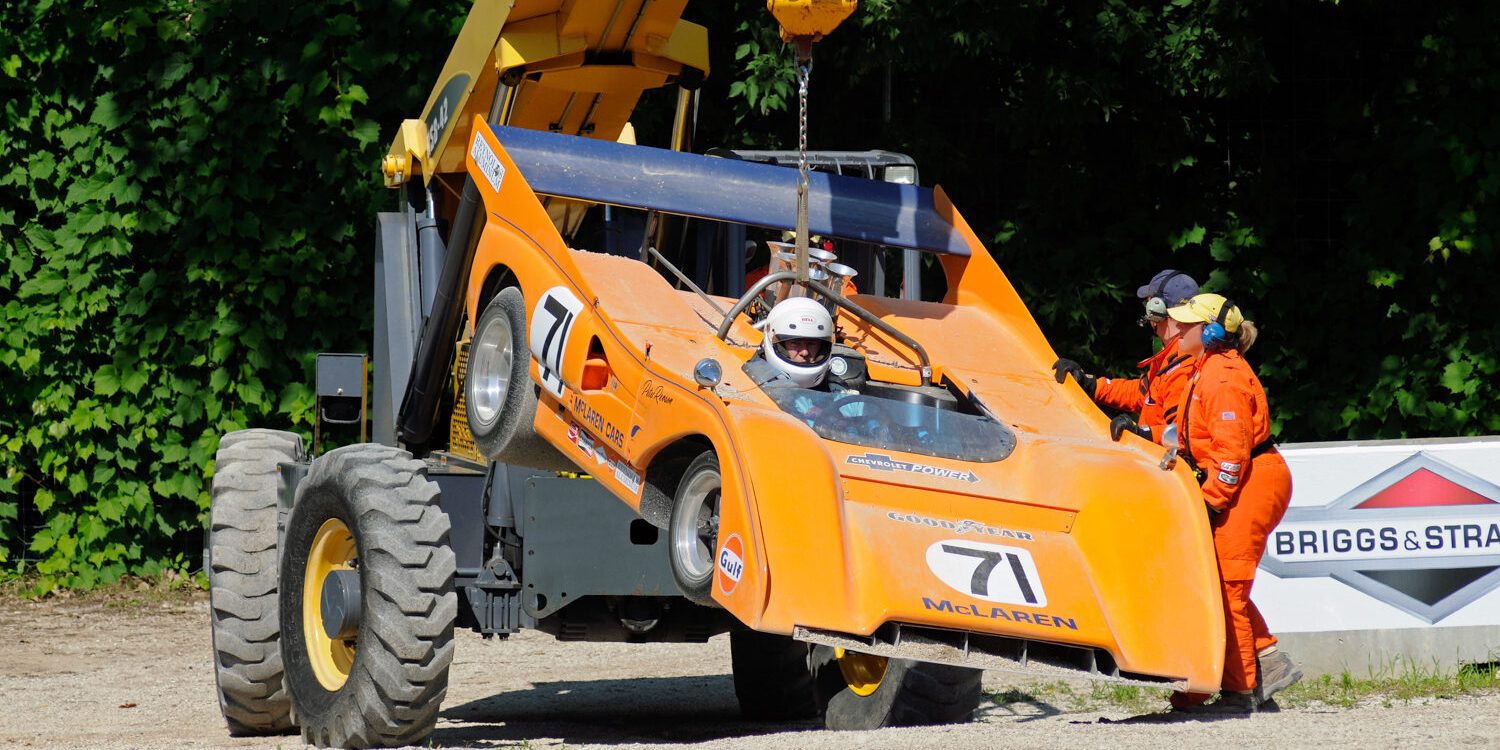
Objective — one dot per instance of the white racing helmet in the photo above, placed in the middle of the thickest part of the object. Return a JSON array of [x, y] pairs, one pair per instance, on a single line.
[[799, 340]]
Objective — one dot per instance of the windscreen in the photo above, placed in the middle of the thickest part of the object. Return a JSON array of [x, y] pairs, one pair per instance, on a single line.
[[873, 422]]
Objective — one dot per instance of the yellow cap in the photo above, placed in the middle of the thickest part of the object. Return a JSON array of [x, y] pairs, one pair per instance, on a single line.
[[1205, 308]]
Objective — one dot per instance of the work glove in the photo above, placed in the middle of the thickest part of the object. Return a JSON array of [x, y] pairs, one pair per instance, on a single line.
[[1125, 423], [1064, 367], [1213, 513]]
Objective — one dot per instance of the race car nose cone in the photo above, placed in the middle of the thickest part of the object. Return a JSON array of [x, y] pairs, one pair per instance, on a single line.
[[707, 373]]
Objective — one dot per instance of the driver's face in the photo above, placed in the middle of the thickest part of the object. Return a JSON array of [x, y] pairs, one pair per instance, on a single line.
[[802, 351]]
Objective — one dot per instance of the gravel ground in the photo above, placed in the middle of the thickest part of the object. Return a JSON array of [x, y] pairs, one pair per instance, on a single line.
[[119, 674]]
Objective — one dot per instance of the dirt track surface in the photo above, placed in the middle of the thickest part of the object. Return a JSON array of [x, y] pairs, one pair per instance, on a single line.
[[106, 675]]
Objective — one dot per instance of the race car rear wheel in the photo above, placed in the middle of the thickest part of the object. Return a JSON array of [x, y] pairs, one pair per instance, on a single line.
[[368, 605], [500, 399], [772, 678], [862, 691], [693, 530]]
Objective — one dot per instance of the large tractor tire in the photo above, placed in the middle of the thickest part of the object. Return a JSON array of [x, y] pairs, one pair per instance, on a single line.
[[500, 399], [367, 600], [242, 578], [773, 679], [860, 691], [693, 529]]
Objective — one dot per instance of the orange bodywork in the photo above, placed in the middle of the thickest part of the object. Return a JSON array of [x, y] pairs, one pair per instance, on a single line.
[[1122, 554]]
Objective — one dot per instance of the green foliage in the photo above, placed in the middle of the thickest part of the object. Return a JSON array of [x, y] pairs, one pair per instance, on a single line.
[[183, 211], [187, 190]]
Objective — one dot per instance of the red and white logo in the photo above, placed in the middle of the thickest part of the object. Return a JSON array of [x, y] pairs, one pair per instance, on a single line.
[[1422, 536], [730, 564]]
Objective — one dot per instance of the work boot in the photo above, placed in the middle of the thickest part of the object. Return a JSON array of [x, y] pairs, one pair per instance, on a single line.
[[1229, 703], [1277, 673]]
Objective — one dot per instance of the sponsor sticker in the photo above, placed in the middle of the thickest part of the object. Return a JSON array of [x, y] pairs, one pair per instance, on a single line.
[[958, 527], [1422, 536], [626, 475], [881, 462], [600, 455], [730, 564], [1228, 478], [488, 163], [992, 572]]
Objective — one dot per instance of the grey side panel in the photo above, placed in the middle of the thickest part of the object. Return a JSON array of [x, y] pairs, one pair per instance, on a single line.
[[463, 501], [578, 542], [397, 316]]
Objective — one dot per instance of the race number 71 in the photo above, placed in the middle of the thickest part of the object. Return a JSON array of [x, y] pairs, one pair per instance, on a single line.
[[551, 323], [991, 572]]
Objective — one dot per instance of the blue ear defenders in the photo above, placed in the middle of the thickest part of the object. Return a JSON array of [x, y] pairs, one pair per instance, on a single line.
[[1156, 305], [1215, 335]]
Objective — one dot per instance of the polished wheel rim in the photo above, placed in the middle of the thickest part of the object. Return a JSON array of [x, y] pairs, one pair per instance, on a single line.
[[862, 672], [332, 549], [695, 531], [493, 355]]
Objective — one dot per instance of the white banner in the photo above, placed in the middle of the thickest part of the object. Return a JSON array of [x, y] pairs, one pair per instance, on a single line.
[[1386, 534]]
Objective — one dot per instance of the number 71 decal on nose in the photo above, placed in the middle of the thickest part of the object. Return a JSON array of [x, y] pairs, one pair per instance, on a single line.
[[991, 572]]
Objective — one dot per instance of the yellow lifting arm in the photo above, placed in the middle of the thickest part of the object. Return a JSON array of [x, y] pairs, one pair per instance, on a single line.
[[571, 66], [809, 19]]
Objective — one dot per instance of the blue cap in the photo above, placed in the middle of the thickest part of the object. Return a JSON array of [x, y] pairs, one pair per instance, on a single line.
[[1175, 287]]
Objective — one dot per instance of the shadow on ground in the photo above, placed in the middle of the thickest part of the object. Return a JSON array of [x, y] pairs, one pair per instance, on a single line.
[[607, 712]]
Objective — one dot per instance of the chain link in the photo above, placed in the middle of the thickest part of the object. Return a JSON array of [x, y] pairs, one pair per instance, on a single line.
[[804, 71]]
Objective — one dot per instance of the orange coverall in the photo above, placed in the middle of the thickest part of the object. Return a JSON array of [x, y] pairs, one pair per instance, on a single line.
[[1226, 426], [1156, 394]]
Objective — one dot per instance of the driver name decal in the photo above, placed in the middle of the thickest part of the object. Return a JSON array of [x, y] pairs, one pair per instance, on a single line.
[[880, 462]]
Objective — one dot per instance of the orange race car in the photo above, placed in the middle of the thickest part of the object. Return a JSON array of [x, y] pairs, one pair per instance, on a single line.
[[947, 501]]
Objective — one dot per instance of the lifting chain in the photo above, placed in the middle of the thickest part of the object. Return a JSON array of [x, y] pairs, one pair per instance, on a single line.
[[804, 71]]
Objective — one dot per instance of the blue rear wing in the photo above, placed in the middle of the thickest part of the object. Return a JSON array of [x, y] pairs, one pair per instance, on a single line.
[[741, 192]]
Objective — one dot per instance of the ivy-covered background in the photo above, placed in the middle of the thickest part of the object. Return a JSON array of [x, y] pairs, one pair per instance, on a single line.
[[188, 188]]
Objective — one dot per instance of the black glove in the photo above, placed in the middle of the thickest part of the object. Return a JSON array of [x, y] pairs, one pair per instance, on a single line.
[[1064, 367], [1125, 423], [1213, 513]]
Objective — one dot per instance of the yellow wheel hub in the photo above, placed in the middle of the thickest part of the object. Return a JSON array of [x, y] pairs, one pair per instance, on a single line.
[[862, 672], [332, 549]]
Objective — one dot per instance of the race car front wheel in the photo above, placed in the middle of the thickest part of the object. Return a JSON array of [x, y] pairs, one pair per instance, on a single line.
[[499, 397], [863, 691], [694, 528]]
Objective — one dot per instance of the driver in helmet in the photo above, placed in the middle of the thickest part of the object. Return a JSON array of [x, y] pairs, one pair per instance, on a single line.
[[796, 356], [799, 341]]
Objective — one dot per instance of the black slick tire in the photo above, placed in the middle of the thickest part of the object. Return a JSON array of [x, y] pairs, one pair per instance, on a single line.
[[910, 693], [242, 576], [500, 398], [403, 647], [693, 529], [772, 677]]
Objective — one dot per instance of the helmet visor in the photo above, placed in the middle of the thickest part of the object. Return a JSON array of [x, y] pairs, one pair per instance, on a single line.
[[800, 350]]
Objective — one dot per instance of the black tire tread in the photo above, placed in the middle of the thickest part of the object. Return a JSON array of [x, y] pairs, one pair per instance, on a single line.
[[400, 675], [244, 617], [772, 679], [912, 694]]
